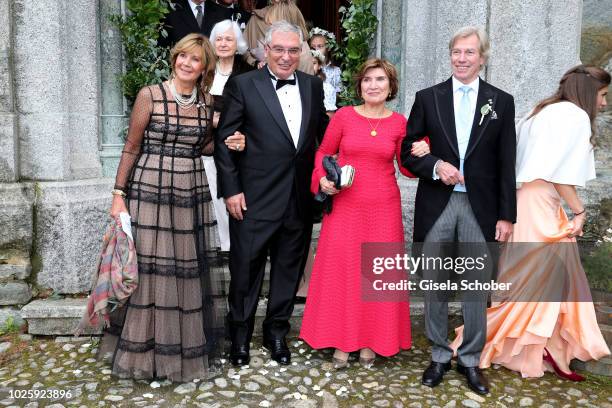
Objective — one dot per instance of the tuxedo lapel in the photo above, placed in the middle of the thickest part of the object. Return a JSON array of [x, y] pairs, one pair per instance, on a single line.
[[485, 94], [264, 86], [443, 100], [306, 97]]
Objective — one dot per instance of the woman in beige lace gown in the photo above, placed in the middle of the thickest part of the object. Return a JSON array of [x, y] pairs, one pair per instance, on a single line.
[[173, 324]]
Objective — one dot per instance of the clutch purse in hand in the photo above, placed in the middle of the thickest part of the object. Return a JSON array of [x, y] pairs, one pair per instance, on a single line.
[[341, 177], [347, 174]]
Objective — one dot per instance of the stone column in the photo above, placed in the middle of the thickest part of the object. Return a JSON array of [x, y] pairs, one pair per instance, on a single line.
[[532, 44], [15, 199], [57, 97], [112, 104], [531, 50], [428, 26], [8, 123], [57, 89]]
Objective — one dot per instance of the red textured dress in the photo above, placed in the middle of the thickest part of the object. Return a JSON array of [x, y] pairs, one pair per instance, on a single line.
[[369, 211]]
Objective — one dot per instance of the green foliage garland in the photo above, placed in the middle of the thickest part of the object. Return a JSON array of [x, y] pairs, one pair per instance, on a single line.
[[146, 62], [360, 25]]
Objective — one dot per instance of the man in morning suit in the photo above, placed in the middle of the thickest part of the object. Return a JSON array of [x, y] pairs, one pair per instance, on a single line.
[[267, 186], [466, 189], [192, 16]]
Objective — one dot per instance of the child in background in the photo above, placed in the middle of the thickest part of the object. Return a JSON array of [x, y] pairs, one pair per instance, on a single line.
[[321, 40], [318, 62]]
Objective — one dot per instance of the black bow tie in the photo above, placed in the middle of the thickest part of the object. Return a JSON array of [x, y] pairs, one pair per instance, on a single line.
[[282, 82]]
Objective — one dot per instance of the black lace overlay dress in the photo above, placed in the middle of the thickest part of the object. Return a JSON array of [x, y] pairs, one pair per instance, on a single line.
[[173, 324]]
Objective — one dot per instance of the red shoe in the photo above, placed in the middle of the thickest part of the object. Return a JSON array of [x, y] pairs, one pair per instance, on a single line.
[[572, 376]]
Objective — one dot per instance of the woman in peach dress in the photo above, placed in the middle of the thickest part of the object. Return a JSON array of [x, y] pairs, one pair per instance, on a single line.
[[549, 319]]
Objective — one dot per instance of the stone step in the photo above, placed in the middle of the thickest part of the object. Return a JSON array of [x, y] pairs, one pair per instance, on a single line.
[[606, 331], [52, 317], [17, 270], [599, 367], [604, 314]]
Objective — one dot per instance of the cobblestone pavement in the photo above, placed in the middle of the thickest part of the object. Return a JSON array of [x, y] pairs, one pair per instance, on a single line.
[[69, 366]]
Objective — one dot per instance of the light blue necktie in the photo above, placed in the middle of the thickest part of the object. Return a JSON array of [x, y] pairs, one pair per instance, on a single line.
[[463, 125]]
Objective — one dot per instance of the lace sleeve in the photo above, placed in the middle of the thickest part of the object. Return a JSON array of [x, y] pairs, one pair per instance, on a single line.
[[209, 143], [139, 119]]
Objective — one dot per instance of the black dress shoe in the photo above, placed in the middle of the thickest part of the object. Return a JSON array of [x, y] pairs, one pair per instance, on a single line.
[[279, 350], [433, 374], [239, 355], [476, 380]]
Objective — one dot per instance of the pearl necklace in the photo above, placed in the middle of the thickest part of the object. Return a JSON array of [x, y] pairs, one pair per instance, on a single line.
[[180, 100], [218, 70]]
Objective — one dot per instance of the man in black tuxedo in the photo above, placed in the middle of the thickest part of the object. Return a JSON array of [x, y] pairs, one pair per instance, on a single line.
[[281, 112], [466, 189], [192, 16]]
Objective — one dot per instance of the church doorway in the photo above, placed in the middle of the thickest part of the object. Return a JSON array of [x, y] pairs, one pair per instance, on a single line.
[[319, 13], [323, 14]]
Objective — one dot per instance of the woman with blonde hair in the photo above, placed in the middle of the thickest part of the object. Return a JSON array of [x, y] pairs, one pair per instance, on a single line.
[[173, 324], [261, 20]]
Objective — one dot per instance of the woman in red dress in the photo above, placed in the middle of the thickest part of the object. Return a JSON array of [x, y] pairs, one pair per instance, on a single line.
[[368, 137]]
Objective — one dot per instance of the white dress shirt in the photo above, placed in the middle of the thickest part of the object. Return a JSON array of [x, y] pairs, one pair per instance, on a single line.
[[457, 95], [291, 104], [219, 82]]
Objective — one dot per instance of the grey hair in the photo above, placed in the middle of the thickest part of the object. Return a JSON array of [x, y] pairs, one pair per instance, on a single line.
[[283, 26], [223, 26], [484, 47]]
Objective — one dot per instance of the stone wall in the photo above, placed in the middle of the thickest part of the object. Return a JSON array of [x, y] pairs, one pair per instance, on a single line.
[[53, 199], [8, 146], [596, 48]]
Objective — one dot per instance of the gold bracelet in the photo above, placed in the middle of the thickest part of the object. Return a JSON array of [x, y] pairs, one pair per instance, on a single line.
[[118, 192]]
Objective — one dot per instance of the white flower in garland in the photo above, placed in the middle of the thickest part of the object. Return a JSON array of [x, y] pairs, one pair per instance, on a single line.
[[324, 33]]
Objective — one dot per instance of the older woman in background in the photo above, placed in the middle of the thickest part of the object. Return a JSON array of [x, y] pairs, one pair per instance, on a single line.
[[229, 44]]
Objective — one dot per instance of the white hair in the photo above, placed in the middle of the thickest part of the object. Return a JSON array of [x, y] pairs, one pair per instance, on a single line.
[[223, 26], [283, 26]]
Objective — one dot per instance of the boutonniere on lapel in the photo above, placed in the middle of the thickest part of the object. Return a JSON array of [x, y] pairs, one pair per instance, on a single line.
[[485, 110], [201, 105]]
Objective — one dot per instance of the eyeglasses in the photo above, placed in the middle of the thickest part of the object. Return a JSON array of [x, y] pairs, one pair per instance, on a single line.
[[468, 53], [294, 52]]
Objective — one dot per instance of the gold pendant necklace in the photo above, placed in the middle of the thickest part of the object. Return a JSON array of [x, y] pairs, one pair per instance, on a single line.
[[373, 132]]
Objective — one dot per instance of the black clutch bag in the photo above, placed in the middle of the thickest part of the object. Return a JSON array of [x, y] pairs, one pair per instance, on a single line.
[[342, 177]]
